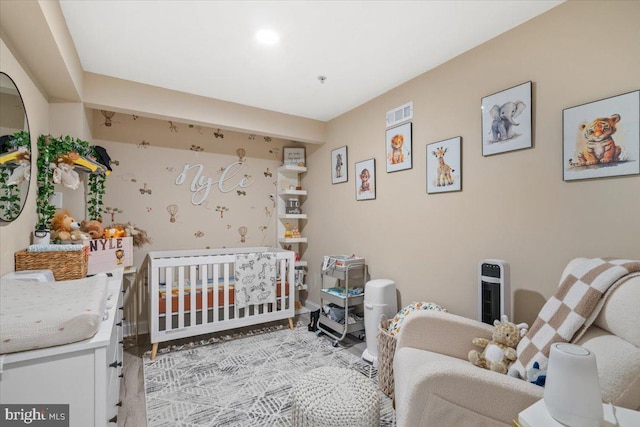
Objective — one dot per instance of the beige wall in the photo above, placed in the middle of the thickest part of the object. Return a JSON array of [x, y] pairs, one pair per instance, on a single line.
[[514, 206], [17, 235]]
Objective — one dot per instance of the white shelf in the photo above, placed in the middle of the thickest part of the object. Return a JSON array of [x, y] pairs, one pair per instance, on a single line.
[[300, 264], [293, 216], [292, 168], [292, 192], [292, 240]]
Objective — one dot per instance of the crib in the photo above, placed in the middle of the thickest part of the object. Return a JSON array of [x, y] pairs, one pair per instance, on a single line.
[[192, 292]]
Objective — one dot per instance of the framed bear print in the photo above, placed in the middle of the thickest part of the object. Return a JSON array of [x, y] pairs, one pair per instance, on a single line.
[[339, 165], [602, 138], [398, 148], [506, 120]]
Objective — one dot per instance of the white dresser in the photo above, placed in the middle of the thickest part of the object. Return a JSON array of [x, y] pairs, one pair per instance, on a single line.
[[85, 375]]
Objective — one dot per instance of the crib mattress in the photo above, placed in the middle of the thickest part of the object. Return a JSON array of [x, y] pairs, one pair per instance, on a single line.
[[36, 315], [211, 289]]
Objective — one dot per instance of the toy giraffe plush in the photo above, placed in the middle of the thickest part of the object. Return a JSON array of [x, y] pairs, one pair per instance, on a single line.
[[500, 352]]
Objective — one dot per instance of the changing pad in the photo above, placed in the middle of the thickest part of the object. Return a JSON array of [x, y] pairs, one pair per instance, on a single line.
[[37, 315]]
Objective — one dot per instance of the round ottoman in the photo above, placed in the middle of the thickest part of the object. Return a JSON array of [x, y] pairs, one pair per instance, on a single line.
[[332, 396]]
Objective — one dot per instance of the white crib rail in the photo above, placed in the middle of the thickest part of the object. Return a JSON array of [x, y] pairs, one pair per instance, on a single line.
[[199, 273]]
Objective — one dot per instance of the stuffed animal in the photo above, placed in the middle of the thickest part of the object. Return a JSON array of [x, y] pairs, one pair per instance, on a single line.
[[536, 375], [114, 231], [500, 352], [93, 228], [65, 227]]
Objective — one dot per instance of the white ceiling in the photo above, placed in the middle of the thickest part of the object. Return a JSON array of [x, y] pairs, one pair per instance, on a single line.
[[208, 48]]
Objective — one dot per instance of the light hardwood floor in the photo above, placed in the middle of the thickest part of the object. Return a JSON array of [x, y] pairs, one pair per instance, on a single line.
[[132, 413]]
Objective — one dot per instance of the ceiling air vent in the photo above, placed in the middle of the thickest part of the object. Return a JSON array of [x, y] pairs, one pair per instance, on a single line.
[[400, 114]]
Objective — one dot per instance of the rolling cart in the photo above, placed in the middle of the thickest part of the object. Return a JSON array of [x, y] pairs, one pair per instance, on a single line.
[[340, 296]]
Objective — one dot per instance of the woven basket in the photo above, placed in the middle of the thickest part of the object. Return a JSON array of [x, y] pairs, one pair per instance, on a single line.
[[65, 265], [386, 350]]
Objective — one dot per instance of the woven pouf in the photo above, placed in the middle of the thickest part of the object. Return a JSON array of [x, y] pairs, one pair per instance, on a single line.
[[331, 396]]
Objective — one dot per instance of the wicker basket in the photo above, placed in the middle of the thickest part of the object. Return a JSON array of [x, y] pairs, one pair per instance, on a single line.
[[65, 265], [386, 350]]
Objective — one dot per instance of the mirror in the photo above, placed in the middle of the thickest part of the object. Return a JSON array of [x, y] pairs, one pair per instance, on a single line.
[[15, 151]]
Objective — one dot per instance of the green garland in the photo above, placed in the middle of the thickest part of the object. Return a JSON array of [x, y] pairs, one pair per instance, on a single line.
[[50, 149], [10, 199]]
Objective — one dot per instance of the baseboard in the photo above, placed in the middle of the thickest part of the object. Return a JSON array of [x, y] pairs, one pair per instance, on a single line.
[[129, 328], [312, 306]]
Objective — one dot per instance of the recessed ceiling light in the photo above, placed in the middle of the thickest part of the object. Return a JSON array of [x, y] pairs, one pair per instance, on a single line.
[[267, 37]]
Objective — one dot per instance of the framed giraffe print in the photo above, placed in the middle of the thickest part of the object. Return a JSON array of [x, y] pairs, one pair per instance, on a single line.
[[444, 166]]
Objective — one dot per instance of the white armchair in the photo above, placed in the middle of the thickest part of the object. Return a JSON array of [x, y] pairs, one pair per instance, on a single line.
[[435, 384]]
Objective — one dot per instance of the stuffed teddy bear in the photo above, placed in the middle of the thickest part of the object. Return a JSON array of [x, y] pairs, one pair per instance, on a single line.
[[65, 227], [499, 352], [93, 228]]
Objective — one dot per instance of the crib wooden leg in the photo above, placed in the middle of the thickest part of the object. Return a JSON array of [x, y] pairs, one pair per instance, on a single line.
[[291, 323], [154, 351]]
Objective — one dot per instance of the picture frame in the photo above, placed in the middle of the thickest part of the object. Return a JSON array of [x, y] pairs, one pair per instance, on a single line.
[[507, 120], [339, 165], [398, 143], [294, 156], [602, 138], [365, 172], [444, 166]]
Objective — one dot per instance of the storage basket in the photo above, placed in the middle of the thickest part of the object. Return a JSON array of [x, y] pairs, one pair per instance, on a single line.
[[65, 265], [386, 350]]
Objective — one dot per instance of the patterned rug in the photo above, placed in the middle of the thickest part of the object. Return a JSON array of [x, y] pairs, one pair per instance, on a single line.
[[242, 381]]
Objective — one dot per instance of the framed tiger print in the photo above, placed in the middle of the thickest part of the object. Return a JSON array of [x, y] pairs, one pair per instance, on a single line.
[[602, 138]]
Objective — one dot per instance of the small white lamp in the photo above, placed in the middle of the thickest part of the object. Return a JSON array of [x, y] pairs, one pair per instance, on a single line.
[[572, 390]]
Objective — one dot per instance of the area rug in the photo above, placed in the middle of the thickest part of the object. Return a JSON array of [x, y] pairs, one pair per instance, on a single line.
[[242, 381]]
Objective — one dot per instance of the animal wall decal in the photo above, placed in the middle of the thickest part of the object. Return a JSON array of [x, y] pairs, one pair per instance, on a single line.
[[112, 211], [267, 139], [144, 144], [252, 137], [196, 148], [222, 210], [218, 134], [172, 127], [268, 173], [145, 189], [198, 234], [241, 193]]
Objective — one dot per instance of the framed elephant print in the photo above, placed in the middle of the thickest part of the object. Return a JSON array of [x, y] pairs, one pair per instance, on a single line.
[[506, 120], [444, 167], [602, 138]]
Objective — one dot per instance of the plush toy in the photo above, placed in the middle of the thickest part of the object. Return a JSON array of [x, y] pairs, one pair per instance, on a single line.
[[65, 227], [114, 231], [93, 228], [499, 352], [536, 375]]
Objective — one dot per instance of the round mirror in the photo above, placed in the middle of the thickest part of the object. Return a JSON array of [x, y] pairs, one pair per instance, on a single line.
[[15, 151]]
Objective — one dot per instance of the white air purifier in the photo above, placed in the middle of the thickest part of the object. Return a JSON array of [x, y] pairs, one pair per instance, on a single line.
[[379, 298]]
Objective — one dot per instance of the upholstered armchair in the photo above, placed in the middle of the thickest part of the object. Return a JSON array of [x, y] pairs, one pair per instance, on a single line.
[[435, 384]]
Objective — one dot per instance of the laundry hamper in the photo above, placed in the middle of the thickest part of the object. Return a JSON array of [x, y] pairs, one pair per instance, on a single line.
[[386, 350], [65, 265]]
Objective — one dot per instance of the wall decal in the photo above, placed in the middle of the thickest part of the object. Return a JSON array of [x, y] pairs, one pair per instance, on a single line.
[[241, 193], [196, 148], [252, 137], [134, 117], [145, 189], [144, 144], [222, 210], [201, 185], [243, 233], [112, 211], [241, 153], [276, 152], [149, 208], [228, 226], [198, 234], [108, 115], [170, 169], [172, 127], [218, 134], [267, 173], [115, 162], [267, 139], [173, 211]]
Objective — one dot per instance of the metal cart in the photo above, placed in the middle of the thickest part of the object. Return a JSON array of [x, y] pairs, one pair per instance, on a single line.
[[349, 302]]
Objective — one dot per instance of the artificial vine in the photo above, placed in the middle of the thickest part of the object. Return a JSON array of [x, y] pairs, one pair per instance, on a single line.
[[10, 197], [52, 150]]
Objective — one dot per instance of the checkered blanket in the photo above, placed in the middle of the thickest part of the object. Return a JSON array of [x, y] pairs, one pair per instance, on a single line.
[[575, 305]]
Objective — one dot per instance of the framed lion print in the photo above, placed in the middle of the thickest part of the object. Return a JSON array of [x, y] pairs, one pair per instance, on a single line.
[[602, 138], [398, 148]]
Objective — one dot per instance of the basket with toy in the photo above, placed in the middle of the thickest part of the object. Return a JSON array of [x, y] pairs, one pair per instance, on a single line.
[[67, 262], [388, 331]]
